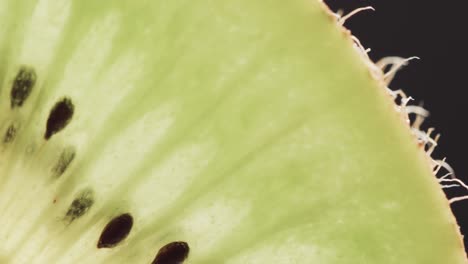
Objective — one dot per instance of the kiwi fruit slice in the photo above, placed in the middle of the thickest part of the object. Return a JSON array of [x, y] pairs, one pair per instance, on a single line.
[[235, 131]]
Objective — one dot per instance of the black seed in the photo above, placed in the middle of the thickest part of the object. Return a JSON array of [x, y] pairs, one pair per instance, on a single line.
[[172, 253], [115, 231], [10, 134], [67, 156], [59, 117], [80, 205], [22, 86]]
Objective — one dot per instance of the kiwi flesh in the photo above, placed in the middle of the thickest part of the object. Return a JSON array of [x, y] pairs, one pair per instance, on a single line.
[[236, 131]]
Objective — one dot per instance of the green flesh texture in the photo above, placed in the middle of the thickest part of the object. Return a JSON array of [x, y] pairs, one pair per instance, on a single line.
[[252, 130]]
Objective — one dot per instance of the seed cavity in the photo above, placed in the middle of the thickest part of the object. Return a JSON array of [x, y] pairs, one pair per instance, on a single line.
[[64, 161], [115, 231], [80, 205], [172, 253], [22, 86], [59, 117], [10, 134]]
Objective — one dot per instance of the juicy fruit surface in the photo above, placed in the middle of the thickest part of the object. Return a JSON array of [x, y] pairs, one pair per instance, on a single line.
[[248, 131]]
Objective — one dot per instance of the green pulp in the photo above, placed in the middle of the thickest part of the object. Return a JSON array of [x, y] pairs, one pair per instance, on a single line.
[[250, 129]]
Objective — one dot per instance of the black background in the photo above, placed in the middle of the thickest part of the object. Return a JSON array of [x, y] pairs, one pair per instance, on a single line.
[[436, 32]]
